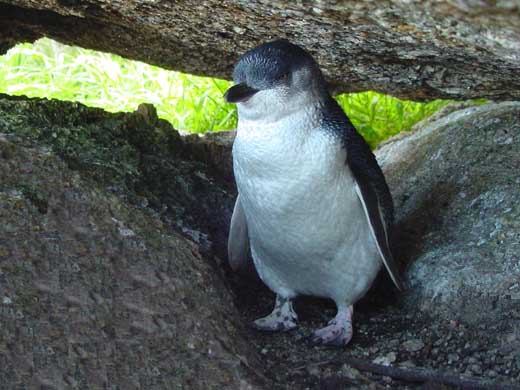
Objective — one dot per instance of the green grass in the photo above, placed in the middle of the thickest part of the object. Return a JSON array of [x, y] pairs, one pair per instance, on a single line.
[[50, 69], [378, 117], [191, 103]]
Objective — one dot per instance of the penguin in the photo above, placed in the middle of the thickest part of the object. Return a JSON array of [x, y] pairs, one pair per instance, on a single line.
[[313, 206]]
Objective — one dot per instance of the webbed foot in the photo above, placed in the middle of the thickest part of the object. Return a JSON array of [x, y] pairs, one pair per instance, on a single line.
[[282, 318], [338, 332]]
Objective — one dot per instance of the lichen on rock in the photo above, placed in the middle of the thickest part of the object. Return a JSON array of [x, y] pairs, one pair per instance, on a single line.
[[97, 289]]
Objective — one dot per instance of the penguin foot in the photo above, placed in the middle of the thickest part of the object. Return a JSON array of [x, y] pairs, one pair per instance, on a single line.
[[282, 318], [338, 332]]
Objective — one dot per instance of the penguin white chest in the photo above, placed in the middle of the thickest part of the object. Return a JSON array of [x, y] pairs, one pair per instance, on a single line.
[[307, 228]]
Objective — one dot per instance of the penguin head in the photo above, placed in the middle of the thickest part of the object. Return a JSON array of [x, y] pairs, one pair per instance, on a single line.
[[275, 79]]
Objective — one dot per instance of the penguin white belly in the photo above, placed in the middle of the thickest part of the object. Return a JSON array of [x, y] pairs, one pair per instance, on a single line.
[[307, 227]]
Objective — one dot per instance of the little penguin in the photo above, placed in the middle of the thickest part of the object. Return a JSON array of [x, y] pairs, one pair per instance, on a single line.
[[313, 205]]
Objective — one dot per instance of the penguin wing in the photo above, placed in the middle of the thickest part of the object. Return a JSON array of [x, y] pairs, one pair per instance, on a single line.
[[375, 197], [238, 240], [371, 187], [374, 214]]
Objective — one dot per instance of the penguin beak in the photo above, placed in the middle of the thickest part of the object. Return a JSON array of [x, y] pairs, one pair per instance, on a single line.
[[239, 93]]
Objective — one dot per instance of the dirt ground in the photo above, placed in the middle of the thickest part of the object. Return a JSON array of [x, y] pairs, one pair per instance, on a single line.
[[478, 356]]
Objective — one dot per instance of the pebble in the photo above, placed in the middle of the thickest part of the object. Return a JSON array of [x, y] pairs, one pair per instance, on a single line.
[[394, 343], [438, 342], [314, 371], [386, 360], [413, 345], [476, 369], [491, 373], [453, 357], [350, 372]]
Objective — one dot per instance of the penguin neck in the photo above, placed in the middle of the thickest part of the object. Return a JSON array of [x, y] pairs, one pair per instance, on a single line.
[[296, 121]]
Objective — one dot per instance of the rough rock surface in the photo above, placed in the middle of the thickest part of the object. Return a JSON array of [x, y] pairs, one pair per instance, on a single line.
[[407, 48], [99, 285], [456, 187], [99, 288]]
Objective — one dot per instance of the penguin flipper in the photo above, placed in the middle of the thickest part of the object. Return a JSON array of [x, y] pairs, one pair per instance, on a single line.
[[238, 240], [376, 221]]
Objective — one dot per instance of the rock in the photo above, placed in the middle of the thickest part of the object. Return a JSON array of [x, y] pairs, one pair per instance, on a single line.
[[350, 372], [476, 369], [85, 302], [408, 48], [413, 345], [393, 343], [314, 371], [453, 357], [407, 364], [102, 282], [138, 156], [386, 360], [214, 149], [491, 373], [455, 184]]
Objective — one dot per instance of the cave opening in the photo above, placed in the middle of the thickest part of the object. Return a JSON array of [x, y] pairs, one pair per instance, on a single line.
[[49, 69]]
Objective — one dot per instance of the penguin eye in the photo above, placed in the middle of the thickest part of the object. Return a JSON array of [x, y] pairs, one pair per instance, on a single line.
[[284, 77]]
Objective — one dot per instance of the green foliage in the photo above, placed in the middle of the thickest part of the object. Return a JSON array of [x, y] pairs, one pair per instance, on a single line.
[[50, 69], [378, 117], [191, 103]]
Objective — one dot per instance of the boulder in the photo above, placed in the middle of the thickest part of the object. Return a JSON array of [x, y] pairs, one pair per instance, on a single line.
[[408, 48], [101, 285], [456, 188], [112, 247]]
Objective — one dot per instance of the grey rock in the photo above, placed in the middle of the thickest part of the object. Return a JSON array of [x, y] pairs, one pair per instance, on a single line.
[[386, 360], [314, 371], [408, 364], [455, 183], [409, 48], [67, 206], [350, 372], [413, 345], [491, 373], [476, 369], [393, 343], [453, 357], [98, 292], [472, 360]]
